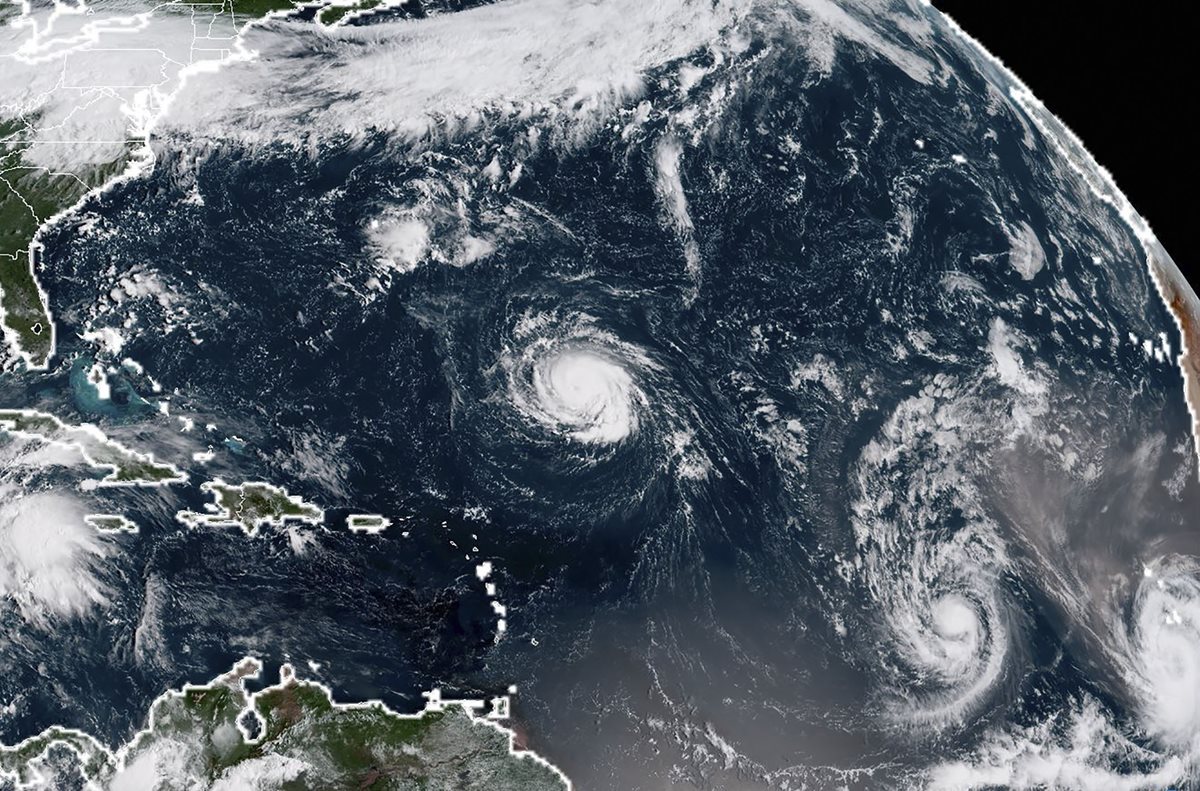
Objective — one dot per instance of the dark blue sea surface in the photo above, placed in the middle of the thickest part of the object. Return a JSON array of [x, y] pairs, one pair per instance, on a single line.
[[695, 603]]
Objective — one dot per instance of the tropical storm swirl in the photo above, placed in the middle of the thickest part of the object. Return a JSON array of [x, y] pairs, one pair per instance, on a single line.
[[575, 380], [766, 394]]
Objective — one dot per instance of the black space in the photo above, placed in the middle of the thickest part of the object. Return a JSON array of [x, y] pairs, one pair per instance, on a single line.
[[1123, 77]]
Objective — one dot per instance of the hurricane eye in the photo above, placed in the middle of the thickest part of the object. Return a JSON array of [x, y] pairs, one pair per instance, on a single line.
[[578, 382], [937, 596]]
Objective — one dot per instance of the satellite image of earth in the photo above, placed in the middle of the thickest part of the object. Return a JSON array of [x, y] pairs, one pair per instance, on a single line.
[[593, 394]]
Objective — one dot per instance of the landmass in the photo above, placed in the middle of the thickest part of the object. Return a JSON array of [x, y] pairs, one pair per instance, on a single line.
[[111, 523], [29, 197], [340, 11], [124, 467], [249, 10], [57, 145], [1184, 305], [75, 115], [250, 506], [1171, 285], [372, 524], [289, 736]]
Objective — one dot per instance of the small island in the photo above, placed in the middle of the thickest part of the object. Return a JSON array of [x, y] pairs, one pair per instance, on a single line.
[[111, 523], [371, 524]]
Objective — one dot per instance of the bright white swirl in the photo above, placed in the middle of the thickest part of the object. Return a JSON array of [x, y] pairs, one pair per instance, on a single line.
[[587, 394], [931, 560], [1162, 651], [577, 380], [948, 632], [1156, 644]]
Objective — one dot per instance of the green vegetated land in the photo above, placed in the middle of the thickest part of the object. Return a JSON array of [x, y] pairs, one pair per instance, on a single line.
[[124, 467], [331, 15], [242, 10], [254, 504], [252, 9], [139, 471], [23, 762], [302, 740], [29, 196], [248, 10], [30, 422], [109, 523]]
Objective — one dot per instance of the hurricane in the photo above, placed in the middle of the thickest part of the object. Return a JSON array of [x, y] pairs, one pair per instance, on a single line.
[[762, 395], [950, 630], [933, 562], [576, 380], [1160, 647]]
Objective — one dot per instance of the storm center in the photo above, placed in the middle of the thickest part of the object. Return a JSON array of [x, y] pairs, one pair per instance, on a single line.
[[587, 394]]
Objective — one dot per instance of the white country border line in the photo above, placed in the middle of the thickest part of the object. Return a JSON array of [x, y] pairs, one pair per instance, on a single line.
[[228, 517], [141, 125], [91, 438], [36, 778], [488, 713], [250, 667], [1162, 269]]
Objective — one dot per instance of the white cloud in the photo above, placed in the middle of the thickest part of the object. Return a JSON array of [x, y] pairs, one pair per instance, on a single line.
[[1026, 254], [268, 772], [48, 555], [572, 58], [400, 242], [1159, 651], [148, 768], [1080, 749], [827, 17], [669, 185], [1006, 362], [90, 78]]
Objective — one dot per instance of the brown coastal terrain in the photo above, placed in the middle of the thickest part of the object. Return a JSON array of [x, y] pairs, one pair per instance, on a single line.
[[1181, 298]]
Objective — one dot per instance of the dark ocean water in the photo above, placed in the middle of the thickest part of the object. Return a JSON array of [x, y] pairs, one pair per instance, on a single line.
[[684, 604]]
